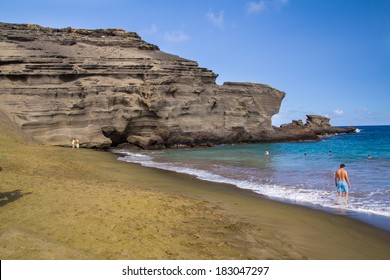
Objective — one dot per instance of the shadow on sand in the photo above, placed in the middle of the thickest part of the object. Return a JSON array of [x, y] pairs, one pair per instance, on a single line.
[[8, 197]]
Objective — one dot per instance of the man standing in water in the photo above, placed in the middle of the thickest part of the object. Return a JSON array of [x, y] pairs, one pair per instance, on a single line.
[[342, 181]]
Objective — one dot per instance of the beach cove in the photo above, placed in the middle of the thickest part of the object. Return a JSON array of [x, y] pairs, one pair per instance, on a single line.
[[300, 173], [63, 203]]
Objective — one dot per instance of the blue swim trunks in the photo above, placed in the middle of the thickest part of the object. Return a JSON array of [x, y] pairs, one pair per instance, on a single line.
[[342, 186]]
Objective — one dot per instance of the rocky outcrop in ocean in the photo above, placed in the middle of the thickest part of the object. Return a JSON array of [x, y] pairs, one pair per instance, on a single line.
[[315, 127], [108, 86]]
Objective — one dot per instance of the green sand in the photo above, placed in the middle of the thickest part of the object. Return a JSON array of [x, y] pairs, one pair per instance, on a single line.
[[63, 203]]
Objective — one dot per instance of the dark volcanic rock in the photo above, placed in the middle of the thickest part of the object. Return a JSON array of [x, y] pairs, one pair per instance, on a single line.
[[315, 127], [321, 126]]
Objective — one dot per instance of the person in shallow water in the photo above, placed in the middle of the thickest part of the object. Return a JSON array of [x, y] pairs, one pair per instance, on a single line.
[[342, 181]]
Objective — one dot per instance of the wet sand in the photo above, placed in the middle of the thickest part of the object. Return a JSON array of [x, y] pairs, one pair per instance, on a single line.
[[63, 203]]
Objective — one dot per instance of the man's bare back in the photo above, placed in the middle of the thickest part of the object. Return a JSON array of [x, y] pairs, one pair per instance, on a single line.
[[342, 181], [342, 174]]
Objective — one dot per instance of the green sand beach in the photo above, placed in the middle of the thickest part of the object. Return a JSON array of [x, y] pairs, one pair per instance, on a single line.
[[63, 203]]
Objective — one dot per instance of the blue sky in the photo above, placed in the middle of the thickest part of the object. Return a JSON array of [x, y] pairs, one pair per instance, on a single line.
[[331, 57]]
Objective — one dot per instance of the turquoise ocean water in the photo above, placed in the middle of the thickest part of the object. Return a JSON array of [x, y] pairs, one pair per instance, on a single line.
[[298, 173]]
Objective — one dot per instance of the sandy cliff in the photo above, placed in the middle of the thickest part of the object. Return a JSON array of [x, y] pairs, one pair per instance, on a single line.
[[108, 87]]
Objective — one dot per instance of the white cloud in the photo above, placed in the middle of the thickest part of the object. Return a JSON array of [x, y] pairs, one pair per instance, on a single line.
[[281, 2], [151, 30], [264, 5], [364, 111], [256, 7], [338, 113], [176, 36], [216, 20]]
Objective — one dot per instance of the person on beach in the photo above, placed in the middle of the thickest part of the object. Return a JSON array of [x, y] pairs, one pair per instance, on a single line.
[[342, 181], [77, 143], [73, 143]]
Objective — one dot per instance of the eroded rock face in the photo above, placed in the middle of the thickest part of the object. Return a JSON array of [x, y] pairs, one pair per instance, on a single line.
[[107, 87], [315, 127], [321, 126]]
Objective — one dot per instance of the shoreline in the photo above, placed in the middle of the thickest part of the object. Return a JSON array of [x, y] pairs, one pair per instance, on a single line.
[[243, 201], [85, 204], [373, 219]]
